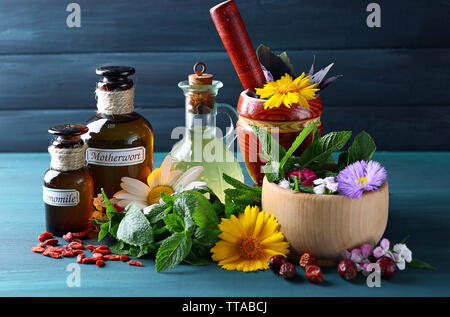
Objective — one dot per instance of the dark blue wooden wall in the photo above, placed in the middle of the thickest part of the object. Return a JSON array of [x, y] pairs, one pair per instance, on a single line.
[[395, 85]]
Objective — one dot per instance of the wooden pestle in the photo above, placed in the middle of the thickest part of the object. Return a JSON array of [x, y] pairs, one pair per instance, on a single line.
[[235, 38]]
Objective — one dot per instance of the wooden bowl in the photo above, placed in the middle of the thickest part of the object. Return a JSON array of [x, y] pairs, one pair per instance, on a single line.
[[326, 224]]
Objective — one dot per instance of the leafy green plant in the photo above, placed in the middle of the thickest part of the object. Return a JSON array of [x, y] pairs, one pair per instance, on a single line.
[[240, 196], [182, 228]]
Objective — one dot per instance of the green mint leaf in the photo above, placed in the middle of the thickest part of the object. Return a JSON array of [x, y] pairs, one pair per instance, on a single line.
[[269, 145], [134, 228], [104, 229], [238, 184], [157, 213], [322, 148], [418, 264], [206, 237], [297, 142], [173, 251], [194, 259], [168, 199], [174, 223], [195, 209], [362, 148], [114, 217]]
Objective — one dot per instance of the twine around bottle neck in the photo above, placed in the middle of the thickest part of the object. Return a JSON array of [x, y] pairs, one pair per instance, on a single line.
[[115, 102], [67, 159]]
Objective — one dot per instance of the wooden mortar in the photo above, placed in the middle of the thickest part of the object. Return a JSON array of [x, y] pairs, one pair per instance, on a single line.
[[326, 224]]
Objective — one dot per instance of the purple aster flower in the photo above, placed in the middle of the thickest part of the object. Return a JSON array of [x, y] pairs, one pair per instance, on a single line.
[[360, 177]]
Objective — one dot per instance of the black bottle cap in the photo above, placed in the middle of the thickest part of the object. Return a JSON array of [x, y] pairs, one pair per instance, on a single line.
[[115, 71], [115, 77], [68, 129]]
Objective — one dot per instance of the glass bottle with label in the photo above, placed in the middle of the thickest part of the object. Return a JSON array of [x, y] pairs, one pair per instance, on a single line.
[[202, 145], [120, 141], [68, 186]]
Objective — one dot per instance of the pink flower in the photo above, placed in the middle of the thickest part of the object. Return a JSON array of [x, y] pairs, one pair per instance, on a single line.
[[307, 176], [383, 250]]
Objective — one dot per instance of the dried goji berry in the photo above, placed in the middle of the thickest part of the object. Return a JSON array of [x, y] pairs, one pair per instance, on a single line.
[[76, 245], [55, 255], [67, 248], [102, 247], [135, 263], [111, 257], [77, 252], [38, 249], [100, 263], [98, 256], [81, 234], [40, 245], [80, 258], [89, 260], [91, 247], [67, 254], [44, 236], [104, 252], [68, 237], [314, 274], [307, 259], [124, 258], [55, 249], [51, 242]]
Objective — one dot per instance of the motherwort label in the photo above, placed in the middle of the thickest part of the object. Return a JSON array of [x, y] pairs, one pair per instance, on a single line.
[[115, 157], [61, 197]]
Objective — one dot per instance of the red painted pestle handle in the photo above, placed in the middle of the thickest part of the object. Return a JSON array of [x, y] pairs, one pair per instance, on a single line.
[[235, 38]]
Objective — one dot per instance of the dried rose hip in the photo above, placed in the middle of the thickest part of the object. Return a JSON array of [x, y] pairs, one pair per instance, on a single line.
[[124, 258], [387, 267], [51, 242], [307, 259], [38, 249], [44, 236], [347, 269], [314, 274], [135, 263], [276, 261], [287, 270]]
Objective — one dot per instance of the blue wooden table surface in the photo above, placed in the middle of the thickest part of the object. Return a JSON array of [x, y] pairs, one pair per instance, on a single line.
[[419, 206]]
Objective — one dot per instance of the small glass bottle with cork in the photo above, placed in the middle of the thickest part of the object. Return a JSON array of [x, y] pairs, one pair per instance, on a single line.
[[120, 141], [203, 143], [68, 186]]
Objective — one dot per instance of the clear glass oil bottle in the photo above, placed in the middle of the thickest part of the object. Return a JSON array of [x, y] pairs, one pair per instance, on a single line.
[[202, 145], [120, 141], [68, 186]]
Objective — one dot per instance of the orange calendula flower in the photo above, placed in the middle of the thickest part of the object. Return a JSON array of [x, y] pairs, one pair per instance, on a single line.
[[288, 91], [248, 241]]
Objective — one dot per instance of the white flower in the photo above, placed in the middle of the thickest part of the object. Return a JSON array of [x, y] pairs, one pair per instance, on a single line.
[[284, 183], [327, 185], [402, 254], [165, 179]]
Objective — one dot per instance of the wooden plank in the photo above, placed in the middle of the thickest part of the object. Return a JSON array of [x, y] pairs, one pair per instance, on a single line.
[[39, 26], [371, 77], [420, 128]]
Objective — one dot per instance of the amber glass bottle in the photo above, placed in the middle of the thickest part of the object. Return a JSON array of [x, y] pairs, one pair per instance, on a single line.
[[68, 186], [120, 141]]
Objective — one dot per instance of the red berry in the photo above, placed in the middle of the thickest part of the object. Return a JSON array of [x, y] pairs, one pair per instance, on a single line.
[[314, 274], [100, 263], [276, 261], [124, 258], [287, 270], [307, 259], [347, 269], [387, 267], [44, 236]]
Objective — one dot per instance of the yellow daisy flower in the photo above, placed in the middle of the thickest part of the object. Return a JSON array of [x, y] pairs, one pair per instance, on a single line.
[[165, 179], [288, 91], [249, 241]]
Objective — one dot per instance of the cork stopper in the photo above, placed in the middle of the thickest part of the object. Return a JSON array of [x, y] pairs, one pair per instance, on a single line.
[[200, 78]]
